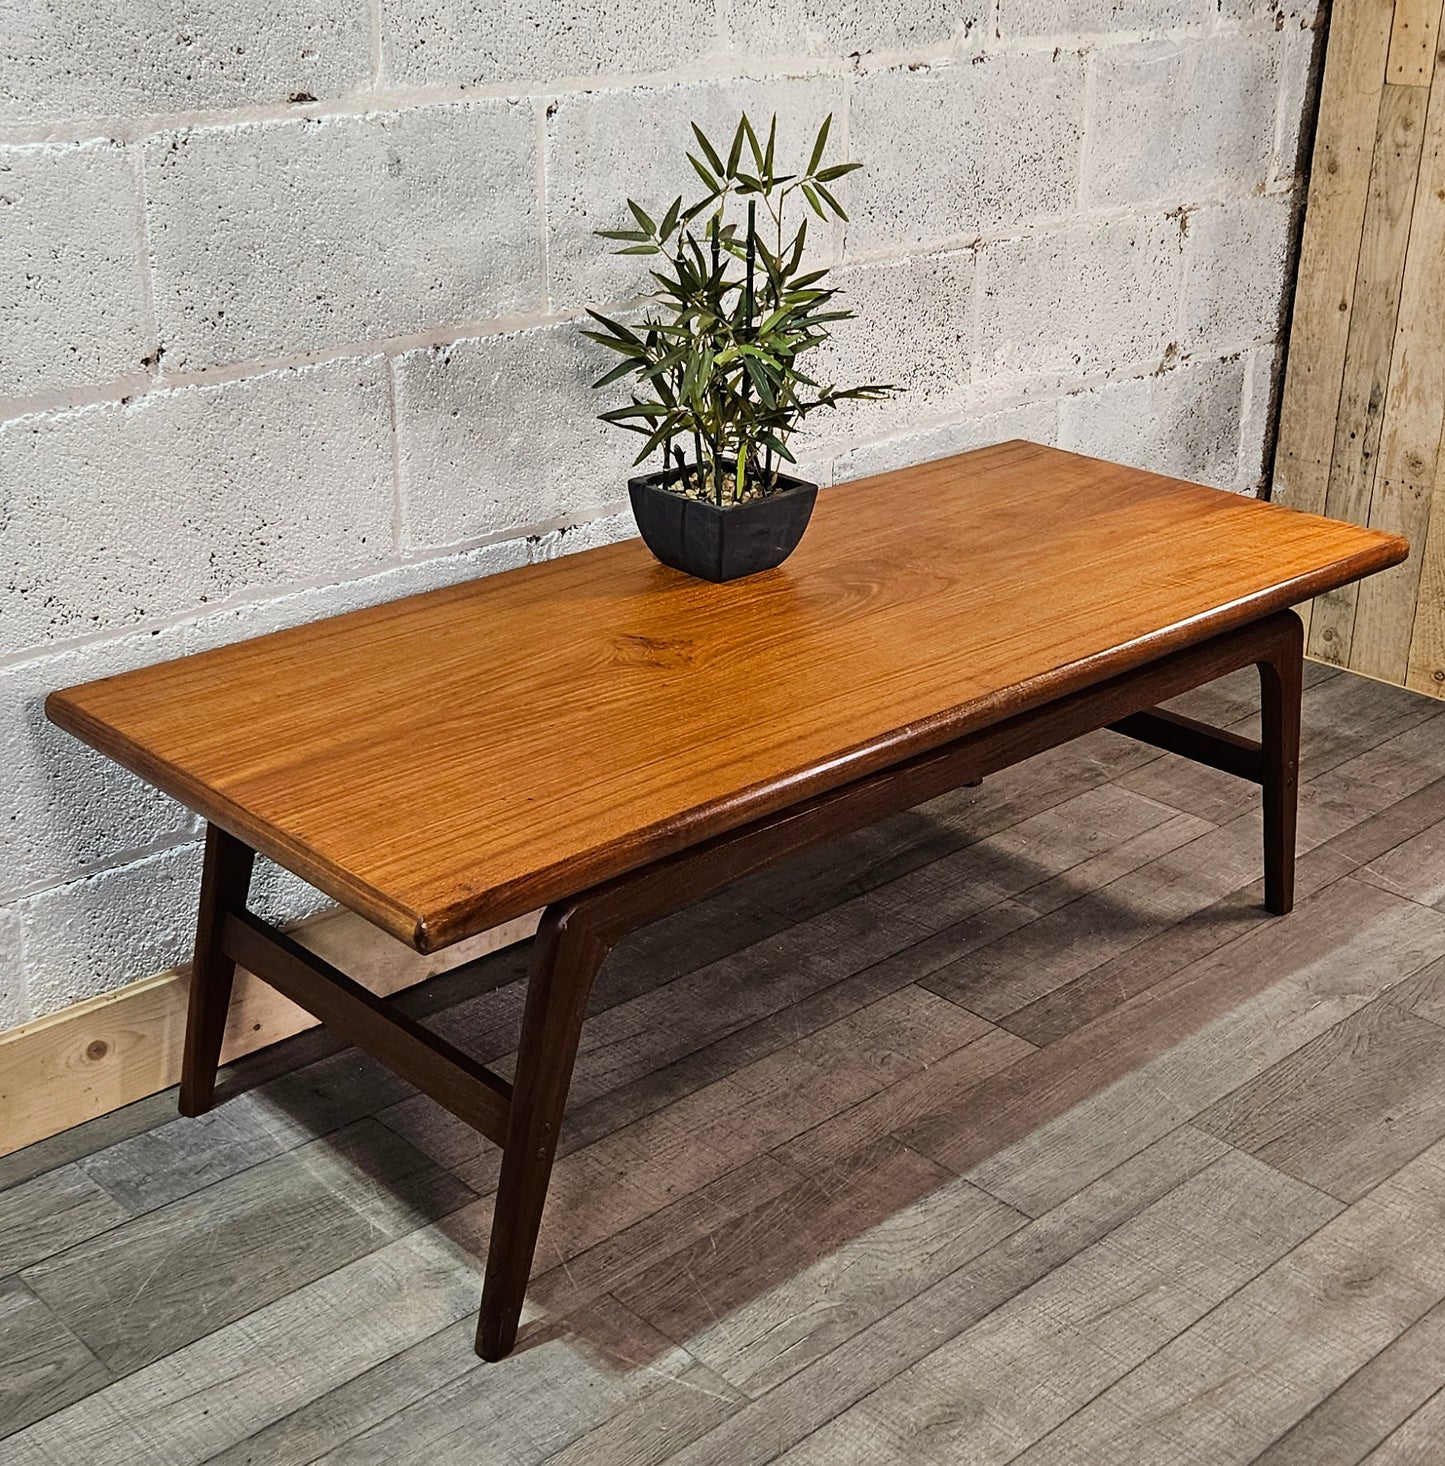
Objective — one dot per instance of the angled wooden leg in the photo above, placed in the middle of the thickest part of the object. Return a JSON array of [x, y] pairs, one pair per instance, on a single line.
[[566, 958], [1281, 681], [225, 883]]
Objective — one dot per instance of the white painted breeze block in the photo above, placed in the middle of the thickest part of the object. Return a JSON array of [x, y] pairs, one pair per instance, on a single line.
[[63, 59], [954, 152], [294, 236], [479, 42], [1091, 298], [1183, 422], [290, 299], [472, 464], [1184, 122], [72, 272], [128, 514], [608, 146]]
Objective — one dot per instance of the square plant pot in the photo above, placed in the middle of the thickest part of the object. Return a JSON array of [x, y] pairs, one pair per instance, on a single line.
[[724, 543]]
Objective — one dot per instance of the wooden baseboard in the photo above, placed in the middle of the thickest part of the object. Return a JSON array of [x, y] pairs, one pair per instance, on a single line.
[[109, 1051]]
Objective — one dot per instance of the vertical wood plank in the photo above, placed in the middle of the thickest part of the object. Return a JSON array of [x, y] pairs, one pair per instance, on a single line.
[[1385, 615], [1324, 293], [1426, 670], [1386, 233], [1423, 397], [1412, 43], [1360, 434]]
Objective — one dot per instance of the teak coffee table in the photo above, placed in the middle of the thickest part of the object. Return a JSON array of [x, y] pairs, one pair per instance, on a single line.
[[609, 740]]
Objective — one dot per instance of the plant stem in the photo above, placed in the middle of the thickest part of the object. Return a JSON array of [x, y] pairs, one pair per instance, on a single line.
[[749, 333]]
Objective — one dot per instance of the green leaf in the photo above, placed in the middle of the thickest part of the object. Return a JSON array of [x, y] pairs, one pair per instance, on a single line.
[[649, 411], [761, 385], [620, 233], [838, 170], [837, 208], [735, 152], [666, 431], [640, 214], [615, 327], [812, 199], [669, 220], [709, 152], [819, 145], [754, 147], [625, 347], [767, 163], [622, 369]]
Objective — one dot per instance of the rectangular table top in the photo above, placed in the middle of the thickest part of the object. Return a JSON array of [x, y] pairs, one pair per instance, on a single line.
[[448, 761]]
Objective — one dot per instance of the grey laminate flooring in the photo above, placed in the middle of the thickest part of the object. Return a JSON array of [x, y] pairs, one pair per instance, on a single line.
[[1008, 1130]]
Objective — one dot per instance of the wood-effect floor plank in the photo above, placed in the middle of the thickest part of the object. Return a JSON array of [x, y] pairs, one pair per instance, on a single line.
[[1347, 1109], [533, 1403], [643, 1167], [227, 1387], [1220, 1393], [53, 1212], [1382, 797], [1002, 1384], [802, 1404], [151, 1286], [1416, 1442], [1383, 1393], [779, 1287], [1084, 1104], [45, 1366]]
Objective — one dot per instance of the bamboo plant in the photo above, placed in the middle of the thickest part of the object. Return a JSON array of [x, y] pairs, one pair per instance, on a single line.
[[718, 356]]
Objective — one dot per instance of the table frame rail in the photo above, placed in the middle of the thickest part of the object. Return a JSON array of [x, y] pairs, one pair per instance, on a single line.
[[576, 933]]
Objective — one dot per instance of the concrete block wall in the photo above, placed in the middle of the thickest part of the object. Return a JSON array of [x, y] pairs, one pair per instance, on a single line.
[[289, 299]]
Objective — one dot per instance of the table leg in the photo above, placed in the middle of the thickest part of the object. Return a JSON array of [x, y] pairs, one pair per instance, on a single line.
[[1281, 680], [225, 883], [567, 955]]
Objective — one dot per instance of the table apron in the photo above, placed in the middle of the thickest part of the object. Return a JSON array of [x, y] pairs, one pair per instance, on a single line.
[[1123, 703]]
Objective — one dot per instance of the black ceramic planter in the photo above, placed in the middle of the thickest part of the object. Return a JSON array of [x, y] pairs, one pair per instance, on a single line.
[[721, 544]]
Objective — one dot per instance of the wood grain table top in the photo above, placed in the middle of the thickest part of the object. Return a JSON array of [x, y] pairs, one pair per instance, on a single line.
[[448, 761]]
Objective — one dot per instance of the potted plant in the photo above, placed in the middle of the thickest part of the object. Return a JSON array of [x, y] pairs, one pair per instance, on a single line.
[[718, 356]]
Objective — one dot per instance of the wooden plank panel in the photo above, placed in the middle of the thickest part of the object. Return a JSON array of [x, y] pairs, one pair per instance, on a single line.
[[1415, 408], [1426, 671], [1329, 256], [448, 761], [1395, 631], [1412, 43], [1360, 420], [1386, 606]]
